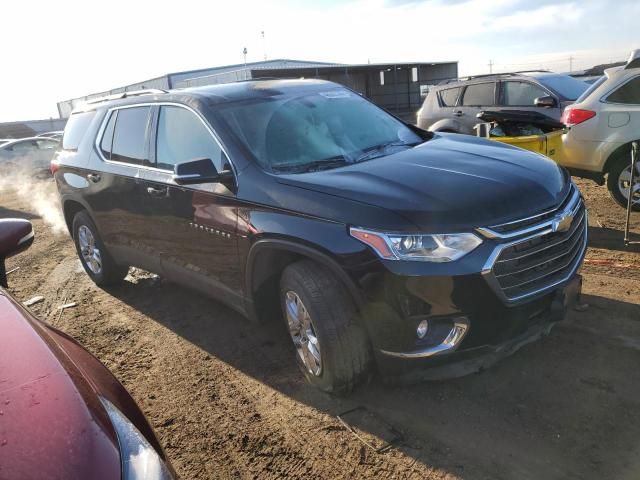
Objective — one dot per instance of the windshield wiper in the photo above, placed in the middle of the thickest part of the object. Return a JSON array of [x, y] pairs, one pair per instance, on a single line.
[[316, 165], [379, 150]]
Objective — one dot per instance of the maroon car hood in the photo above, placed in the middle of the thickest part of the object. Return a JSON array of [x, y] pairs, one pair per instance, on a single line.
[[52, 424]]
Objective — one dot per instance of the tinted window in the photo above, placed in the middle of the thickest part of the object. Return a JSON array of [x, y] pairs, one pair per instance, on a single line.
[[107, 136], [568, 87], [628, 93], [448, 97], [130, 135], [75, 129], [181, 137], [479, 95], [521, 93]]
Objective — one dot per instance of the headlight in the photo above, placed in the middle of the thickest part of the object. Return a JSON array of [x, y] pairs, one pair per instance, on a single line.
[[140, 461], [424, 248]]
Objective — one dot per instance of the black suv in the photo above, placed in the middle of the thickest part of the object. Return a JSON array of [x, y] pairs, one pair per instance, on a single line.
[[382, 245]]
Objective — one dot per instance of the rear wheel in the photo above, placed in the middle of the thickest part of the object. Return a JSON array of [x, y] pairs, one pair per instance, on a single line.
[[93, 255], [619, 181], [332, 349]]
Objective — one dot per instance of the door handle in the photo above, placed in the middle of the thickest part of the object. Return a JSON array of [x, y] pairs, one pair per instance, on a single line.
[[457, 113], [157, 192], [94, 177]]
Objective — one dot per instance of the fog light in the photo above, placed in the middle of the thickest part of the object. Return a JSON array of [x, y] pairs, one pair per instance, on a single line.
[[423, 328]]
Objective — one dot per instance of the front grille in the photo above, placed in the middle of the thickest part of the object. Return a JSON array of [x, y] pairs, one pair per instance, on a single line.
[[542, 260]]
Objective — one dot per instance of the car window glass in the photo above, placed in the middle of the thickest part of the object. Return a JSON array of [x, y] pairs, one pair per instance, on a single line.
[[130, 134], [449, 96], [27, 146], [76, 127], [47, 144], [481, 94], [521, 94], [591, 88], [182, 137], [629, 93], [107, 136]]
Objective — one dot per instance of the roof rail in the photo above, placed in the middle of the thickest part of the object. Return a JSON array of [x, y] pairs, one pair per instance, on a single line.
[[132, 93], [485, 75]]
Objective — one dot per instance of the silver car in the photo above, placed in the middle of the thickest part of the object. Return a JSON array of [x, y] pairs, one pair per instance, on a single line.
[[452, 106], [30, 155]]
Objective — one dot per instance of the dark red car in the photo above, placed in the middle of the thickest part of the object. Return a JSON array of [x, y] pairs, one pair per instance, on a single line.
[[63, 415]]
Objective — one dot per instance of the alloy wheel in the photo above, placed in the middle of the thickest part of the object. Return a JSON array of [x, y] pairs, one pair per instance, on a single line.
[[90, 253], [303, 333], [624, 181]]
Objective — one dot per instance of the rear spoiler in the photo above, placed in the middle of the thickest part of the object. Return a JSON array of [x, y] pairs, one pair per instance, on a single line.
[[634, 60]]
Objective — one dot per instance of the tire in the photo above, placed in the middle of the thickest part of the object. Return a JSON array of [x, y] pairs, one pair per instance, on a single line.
[[108, 272], [343, 344], [618, 168]]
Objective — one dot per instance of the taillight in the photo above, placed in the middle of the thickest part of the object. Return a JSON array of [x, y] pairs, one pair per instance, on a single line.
[[574, 116], [54, 166]]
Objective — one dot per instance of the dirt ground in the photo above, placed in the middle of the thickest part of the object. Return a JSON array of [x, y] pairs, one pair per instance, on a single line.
[[227, 401]]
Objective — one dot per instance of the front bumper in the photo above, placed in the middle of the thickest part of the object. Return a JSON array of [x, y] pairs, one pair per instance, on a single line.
[[487, 338]]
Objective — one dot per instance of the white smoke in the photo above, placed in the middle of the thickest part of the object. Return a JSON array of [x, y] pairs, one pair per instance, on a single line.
[[38, 195]]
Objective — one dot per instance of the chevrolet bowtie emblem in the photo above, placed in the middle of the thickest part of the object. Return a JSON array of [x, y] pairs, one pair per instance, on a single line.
[[562, 222]]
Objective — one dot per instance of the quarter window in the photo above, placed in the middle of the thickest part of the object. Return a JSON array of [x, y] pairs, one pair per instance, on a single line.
[[521, 94], [629, 93], [182, 137], [76, 127], [448, 97], [130, 136], [479, 95]]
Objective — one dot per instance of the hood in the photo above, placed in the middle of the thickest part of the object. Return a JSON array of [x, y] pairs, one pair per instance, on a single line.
[[51, 423], [450, 183]]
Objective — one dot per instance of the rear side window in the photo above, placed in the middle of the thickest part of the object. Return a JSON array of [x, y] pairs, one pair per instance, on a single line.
[[76, 127], [182, 137], [479, 95], [521, 94], [107, 137], [130, 136], [449, 96], [629, 93]]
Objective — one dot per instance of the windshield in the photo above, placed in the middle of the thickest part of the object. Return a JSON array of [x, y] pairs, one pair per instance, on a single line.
[[566, 86], [591, 88], [313, 131]]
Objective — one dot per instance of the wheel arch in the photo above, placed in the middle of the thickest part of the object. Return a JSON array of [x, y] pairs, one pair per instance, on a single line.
[[70, 207], [266, 261], [616, 154]]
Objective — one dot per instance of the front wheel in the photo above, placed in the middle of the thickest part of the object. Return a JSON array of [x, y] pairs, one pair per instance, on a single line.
[[619, 181], [332, 349], [93, 254]]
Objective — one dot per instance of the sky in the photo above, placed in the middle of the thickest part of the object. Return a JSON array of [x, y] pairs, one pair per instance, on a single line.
[[56, 50]]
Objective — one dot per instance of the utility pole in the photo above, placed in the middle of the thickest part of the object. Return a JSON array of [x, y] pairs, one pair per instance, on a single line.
[[570, 63], [264, 45], [244, 53], [490, 66]]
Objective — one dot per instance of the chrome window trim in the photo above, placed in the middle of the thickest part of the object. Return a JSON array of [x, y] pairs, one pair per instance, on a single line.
[[492, 280], [573, 205], [103, 126]]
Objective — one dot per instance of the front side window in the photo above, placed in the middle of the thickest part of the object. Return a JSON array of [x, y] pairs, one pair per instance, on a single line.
[[479, 95], [449, 96], [521, 94], [629, 93], [182, 137], [306, 131], [130, 136]]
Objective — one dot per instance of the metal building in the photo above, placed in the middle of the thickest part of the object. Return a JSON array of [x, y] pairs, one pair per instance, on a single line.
[[397, 87]]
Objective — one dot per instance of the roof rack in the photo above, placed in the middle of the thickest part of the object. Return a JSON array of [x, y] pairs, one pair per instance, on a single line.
[[485, 75], [132, 93]]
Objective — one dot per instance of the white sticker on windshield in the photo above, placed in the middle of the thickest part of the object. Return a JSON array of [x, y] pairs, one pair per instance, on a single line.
[[335, 94]]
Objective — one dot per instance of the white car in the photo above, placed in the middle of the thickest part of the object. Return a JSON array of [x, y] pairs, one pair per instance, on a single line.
[[603, 123], [30, 155]]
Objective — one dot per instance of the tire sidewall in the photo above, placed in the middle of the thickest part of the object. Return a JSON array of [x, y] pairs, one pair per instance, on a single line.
[[83, 219], [619, 166]]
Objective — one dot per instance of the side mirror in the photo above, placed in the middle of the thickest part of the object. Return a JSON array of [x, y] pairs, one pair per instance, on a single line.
[[16, 235], [546, 101], [198, 171]]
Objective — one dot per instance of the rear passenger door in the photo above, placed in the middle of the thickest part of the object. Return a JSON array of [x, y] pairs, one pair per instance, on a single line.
[[116, 190], [192, 227], [475, 98]]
